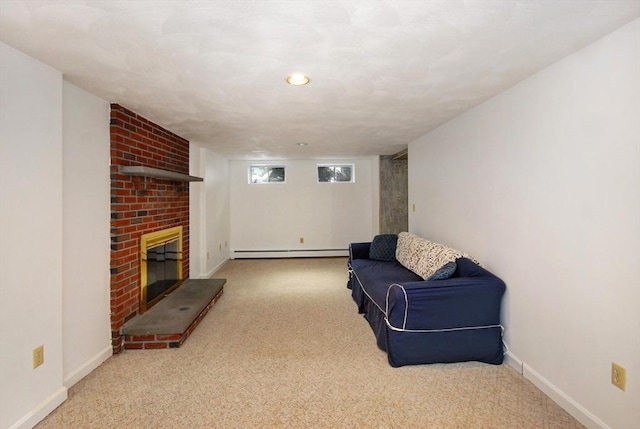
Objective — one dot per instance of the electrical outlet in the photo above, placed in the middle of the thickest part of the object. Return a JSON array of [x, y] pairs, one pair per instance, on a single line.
[[208, 256], [220, 246], [38, 356], [225, 244], [301, 240], [618, 376]]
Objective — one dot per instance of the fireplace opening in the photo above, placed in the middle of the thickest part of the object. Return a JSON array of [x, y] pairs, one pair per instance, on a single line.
[[161, 265], [162, 269]]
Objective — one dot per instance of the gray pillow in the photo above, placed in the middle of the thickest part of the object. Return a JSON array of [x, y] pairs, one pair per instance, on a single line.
[[444, 272], [383, 247]]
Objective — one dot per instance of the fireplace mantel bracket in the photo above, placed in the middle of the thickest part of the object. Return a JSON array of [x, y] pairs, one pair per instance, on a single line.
[[135, 170]]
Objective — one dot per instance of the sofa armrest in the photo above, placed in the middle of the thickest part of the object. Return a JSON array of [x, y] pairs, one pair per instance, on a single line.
[[359, 251], [445, 304]]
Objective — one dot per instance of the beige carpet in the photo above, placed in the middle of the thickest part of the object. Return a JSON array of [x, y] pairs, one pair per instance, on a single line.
[[285, 348]]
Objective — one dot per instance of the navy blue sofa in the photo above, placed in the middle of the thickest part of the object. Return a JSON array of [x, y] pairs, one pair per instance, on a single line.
[[419, 321]]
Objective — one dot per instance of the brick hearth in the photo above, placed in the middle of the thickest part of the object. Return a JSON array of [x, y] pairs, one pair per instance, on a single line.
[[169, 324]]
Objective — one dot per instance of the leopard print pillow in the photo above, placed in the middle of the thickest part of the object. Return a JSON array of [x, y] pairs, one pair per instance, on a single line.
[[422, 256]]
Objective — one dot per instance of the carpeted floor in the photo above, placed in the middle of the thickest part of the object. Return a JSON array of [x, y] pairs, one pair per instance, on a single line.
[[285, 348]]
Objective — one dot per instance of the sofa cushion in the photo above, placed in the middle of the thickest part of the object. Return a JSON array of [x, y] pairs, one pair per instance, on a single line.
[[375, 277], [422, 256], [383, 247], [445, 272]]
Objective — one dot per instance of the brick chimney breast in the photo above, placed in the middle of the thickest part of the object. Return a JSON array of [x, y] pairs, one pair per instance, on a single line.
[[140, 205]]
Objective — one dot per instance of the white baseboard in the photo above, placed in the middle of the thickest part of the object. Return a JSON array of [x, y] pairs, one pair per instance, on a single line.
[[43, 409], [514, 362], [309, 253], [88, 366], [558, 396], [214, 269]]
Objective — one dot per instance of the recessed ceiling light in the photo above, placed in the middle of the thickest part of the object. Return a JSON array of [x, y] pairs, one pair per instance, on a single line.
[[298, 79], [302, 144]]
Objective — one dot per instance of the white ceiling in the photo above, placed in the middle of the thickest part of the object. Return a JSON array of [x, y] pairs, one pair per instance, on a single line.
[[382, 72]]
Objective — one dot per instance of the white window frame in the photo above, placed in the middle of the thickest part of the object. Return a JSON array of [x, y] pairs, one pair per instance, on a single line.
[[269, 166], [337, 164]]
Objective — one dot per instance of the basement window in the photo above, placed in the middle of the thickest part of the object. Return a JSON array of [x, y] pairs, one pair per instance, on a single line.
[[336, 173], [266, 174]]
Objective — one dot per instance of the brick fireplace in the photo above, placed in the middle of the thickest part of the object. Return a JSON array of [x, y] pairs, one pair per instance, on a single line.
[[142, 204]]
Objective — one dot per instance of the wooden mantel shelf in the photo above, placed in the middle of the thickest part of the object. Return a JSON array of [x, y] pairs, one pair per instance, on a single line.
[[138, 170]]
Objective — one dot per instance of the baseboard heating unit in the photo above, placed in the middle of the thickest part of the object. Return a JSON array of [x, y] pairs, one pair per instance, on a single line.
[[306, 253]]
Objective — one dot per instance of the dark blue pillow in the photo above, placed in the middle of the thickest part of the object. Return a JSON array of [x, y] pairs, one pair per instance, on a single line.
[[444, 272], [383, 247]]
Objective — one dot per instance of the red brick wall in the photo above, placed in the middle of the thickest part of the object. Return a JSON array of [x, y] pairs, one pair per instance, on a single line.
[[140, 205]]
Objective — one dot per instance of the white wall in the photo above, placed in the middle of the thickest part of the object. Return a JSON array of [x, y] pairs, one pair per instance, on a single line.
[[86, 223], [31, 232], [209, 212], [327, 215], [216, 175], [542, 185], [196, 215]]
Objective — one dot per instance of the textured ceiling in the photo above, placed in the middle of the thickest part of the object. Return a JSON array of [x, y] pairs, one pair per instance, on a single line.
[[382, 72]]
